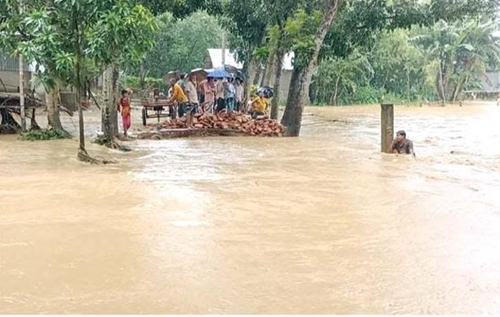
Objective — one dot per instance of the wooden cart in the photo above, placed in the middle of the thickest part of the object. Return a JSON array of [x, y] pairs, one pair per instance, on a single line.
[[157, 109]]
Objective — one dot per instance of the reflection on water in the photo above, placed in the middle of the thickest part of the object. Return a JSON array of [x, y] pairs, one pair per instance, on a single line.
[[319, 224]]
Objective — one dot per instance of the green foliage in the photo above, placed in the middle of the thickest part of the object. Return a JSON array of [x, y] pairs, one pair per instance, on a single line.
[[122, 35], [181, 44], [407, 64], [300, 30], [182, 8], [359, 21], [44, 135], [66, 36], [338, 77], [399, 67], [135, 83], [464, 50], [246, 22]]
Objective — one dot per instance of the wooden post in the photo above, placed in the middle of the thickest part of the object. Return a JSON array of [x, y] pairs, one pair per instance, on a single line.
[[387, 126], [21, 94]]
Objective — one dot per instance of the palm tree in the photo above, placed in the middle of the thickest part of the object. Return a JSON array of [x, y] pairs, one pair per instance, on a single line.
[[463, 51]]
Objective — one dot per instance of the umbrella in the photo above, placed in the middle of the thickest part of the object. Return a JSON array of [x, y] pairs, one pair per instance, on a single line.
[[219, 73], [267, 91], [231, 69], [240, 75], [173, 74], [199, 73]]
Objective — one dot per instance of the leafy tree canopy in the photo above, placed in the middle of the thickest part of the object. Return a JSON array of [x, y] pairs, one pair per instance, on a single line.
[[182, 44]]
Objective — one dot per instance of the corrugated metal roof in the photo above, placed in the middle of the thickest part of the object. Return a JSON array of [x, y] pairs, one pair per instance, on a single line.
[[10, 64]]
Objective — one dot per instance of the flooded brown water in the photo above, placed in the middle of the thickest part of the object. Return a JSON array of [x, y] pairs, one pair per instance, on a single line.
[[318, 224]]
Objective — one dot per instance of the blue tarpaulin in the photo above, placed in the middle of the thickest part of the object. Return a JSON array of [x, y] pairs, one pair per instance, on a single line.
[[219, 73]]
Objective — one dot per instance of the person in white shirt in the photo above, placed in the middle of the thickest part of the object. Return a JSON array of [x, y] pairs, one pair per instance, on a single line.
[[239, 95], [192, 95], [192, 91]]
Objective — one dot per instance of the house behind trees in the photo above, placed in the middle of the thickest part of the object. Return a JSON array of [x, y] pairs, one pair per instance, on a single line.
[[9, 74]]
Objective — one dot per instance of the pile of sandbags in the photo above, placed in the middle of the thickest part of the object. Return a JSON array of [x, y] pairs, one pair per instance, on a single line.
[[228, 121]]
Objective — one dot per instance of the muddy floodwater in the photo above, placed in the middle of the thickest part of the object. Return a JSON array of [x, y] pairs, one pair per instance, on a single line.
[[323, 223]]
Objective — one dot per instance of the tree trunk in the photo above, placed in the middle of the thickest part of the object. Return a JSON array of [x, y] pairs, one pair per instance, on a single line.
[[269, 68], [264, 74], [408, 86], [34, 124], [335, 102], [109, 124], [109, 111], [107, 107], [142, 76], [292, 95], [442, 84], [252, 70], [439, 89], [258, 73], [80, 79], [297, 99], [280, 55], [78, 50], [52, 98], [458, 89], [454, 94]]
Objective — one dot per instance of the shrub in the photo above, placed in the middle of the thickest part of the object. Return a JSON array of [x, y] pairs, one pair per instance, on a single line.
[[44, 135]]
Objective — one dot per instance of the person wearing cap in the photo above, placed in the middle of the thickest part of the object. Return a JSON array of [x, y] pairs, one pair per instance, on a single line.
[[401, 145]]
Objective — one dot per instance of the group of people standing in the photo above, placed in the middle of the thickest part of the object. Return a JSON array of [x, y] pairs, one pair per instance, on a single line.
[[212, 95]]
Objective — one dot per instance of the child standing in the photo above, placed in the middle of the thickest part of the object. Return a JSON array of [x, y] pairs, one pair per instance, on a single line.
[[229, 95], [239, 95], [124, 109]]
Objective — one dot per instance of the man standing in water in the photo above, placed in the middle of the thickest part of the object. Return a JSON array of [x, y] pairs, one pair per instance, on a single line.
[[401, 145]]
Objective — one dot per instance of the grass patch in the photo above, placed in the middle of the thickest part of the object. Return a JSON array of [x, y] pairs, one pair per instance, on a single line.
[[44, 135]]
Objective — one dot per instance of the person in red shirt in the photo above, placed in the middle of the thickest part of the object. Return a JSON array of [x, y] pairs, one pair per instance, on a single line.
[[124, 109]]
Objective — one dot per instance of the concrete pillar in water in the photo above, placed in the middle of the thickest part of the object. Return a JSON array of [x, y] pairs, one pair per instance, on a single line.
[[387, 126]]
